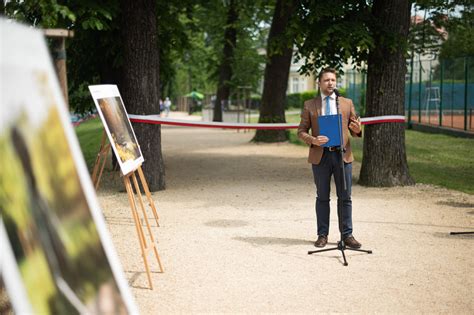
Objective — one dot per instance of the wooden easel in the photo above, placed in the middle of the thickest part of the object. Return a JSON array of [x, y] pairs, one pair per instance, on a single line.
[[133, 196], [100, 161]]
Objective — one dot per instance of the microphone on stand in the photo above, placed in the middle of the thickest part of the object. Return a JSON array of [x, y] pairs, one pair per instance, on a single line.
[[336, 91]]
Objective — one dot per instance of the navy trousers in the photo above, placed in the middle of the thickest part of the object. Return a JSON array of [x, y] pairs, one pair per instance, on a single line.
[[329, 166]]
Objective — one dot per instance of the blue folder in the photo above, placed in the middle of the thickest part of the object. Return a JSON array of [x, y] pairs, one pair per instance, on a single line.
[[329, 127]]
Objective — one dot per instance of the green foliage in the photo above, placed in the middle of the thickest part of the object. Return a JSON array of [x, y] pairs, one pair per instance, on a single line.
[[460, 41], [307, 95], [190, 41], [80, 14], [293, 100], [333, 32], [40, 13], [457, 19], [176, 37], [296, 100], [94, 57], [247, 67], [93, 53], [425, 35], [446, 28], [454, 70], [193, 60], [197, 68]]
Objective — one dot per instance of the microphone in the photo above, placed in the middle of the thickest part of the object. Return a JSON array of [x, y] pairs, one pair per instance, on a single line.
[[336, 92]]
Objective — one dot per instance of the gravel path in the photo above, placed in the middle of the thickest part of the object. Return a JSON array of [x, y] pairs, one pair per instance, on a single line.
[[237, 220]]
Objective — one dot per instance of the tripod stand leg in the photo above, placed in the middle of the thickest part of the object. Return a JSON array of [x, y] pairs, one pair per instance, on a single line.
[[360, 250], [322, 250], [344, 256], [340, 246]]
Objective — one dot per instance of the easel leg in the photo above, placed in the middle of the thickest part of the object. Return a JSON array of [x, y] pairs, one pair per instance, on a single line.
[[104, 159], [100, 161], [148, 194], [153, 244], [138, 226]]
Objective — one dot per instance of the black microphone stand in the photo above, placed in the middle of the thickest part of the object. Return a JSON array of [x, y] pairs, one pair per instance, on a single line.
[[340, 245]]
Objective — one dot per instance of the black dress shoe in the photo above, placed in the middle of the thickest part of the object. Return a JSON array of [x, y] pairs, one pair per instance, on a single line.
[[321, 241], [351, 242]]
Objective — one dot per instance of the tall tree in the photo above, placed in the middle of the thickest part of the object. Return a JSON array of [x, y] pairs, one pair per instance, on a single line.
[[140, 88], [385, 162], [225, 68], [277, 69]]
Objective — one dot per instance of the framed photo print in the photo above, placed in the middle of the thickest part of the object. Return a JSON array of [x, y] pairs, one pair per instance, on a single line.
[[64, 257], [119, 130]]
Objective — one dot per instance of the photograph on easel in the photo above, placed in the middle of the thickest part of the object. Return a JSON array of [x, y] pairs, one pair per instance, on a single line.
[[60, 244], [117, 125]]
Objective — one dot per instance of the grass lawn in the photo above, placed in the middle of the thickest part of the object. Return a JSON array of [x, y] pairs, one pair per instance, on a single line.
[[89, 134], [432, 158], [441, 160]]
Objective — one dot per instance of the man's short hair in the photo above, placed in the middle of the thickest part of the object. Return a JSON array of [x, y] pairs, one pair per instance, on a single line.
[[326, 70]]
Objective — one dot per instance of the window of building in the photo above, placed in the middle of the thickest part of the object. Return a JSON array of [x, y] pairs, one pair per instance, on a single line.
[[295, 85], [303, 85]]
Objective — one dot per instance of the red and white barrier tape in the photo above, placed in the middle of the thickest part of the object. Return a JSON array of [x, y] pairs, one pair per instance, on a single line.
[[156, 119], [382, 119]]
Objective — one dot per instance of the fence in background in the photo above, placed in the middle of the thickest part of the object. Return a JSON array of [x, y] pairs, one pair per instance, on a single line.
[[437, 92]]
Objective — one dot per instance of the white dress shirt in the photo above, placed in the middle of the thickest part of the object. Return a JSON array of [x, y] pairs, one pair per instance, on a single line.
[[332, 104]]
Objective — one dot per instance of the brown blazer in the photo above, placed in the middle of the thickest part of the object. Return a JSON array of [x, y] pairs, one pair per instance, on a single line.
[[309, 120]]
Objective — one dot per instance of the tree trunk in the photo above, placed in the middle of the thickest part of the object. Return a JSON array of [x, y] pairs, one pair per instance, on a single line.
[[109, 72], [277, 69], [384, 161], [140, 89], [225, 69]]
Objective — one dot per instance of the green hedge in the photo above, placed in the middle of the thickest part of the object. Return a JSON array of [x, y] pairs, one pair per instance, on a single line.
[[296, 100], [293, 100]]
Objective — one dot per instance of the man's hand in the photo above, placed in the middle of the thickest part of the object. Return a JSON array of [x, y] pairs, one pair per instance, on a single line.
[[320, 140], [355, 126]]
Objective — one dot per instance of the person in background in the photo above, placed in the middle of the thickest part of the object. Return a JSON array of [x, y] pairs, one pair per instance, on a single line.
[[167, 105]]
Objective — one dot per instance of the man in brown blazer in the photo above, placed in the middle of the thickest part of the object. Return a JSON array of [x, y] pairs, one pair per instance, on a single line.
[[326, 161]]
